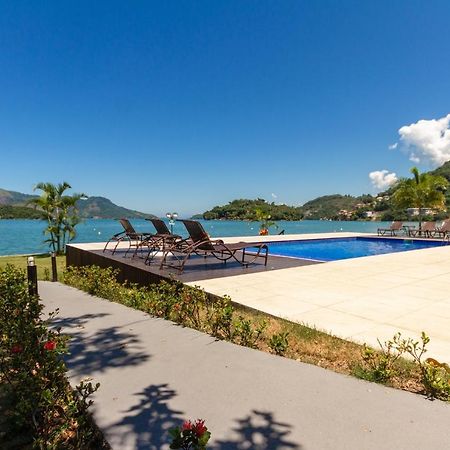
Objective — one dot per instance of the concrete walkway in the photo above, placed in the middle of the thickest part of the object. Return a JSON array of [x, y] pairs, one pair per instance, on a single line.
[[155, 374]]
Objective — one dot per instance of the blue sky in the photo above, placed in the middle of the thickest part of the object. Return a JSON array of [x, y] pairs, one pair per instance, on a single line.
[[182, 105]]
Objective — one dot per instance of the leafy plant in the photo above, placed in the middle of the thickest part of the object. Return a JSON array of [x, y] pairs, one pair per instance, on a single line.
[[379, 366], [265, 221], [190, 436], [246, 333], [435, 376], [32, 371], [60, 212], [382, 365], [279, 343]]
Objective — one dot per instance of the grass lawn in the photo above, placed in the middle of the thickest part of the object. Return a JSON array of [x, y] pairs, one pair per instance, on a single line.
[[43, 263]]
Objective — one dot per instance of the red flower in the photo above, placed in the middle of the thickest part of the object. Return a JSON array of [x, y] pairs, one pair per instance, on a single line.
[[199, 428], [50, 345], [17, 348], [187, 425]]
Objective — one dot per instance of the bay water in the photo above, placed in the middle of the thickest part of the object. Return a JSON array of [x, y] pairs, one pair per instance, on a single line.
[[18, 237]]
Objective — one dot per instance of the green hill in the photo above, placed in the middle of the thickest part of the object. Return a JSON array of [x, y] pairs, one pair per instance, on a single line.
[[443, 171], [326, 207], [330, 206], [18, 212], [244, 209], [13, 205]]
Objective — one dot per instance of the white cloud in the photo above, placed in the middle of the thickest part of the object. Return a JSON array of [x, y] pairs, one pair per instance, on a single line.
[[274, 195], [427, 140], [382, 179], [393, 146]]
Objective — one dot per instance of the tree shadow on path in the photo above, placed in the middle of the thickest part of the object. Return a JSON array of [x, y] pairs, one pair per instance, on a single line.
[[258, 431], [147, 423], [109, 347]]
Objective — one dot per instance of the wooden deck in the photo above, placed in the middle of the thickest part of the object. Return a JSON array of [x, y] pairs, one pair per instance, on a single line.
[[197, 268]]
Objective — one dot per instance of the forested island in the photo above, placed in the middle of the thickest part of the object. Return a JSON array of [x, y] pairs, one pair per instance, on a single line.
[[328, 207]]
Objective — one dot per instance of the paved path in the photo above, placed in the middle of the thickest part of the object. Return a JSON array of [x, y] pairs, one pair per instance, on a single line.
[[154, 374]]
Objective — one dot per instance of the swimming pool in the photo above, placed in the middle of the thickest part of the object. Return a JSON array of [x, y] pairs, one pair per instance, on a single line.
[[345, 248]]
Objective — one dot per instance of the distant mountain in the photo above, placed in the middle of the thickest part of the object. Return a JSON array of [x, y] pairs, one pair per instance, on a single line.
[[13, 198], [103, 208], [14, 205]]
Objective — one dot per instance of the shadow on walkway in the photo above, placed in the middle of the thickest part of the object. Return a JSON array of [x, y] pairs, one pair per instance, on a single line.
[[147, 423], [258, 431], [109, 347]]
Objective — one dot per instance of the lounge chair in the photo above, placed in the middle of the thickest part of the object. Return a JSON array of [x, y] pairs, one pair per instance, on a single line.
[[392, 230], [129, 235], [200, 243], [427, 229], [160, 240], [160, 226], [443, 231]]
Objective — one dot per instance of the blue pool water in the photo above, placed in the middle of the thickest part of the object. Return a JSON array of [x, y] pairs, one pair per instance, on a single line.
[[346, 248]]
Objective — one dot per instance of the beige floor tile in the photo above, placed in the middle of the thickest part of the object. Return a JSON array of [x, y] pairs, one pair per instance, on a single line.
[[439, 326], [383, 333], [418, 291], [334, 322], [441, 309], [277, 306], [367, 309]]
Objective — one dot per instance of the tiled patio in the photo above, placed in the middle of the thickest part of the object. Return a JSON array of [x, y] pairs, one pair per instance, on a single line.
[[362, 299]]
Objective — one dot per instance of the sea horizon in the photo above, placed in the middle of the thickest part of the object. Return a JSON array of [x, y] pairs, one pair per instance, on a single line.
[[26, 236]]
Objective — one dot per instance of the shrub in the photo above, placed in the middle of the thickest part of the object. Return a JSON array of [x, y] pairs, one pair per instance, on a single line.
[[247, 333], [279, 343], [435, 376], [186, 305], [379, 366], [32, 371]]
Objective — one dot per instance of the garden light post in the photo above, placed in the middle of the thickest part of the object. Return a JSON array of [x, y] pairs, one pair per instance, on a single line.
[[32, 276], [54, 269], [172, 217]]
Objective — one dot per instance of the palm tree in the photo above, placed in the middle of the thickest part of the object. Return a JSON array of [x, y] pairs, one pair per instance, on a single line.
[[422, 191], [60, 212]]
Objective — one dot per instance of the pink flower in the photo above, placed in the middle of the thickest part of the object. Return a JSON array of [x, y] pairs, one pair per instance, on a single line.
[[17, 348], [50, 345], [199, 428], [187, 425]]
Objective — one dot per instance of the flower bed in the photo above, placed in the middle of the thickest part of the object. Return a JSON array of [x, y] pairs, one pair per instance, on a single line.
[[37, 404]]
